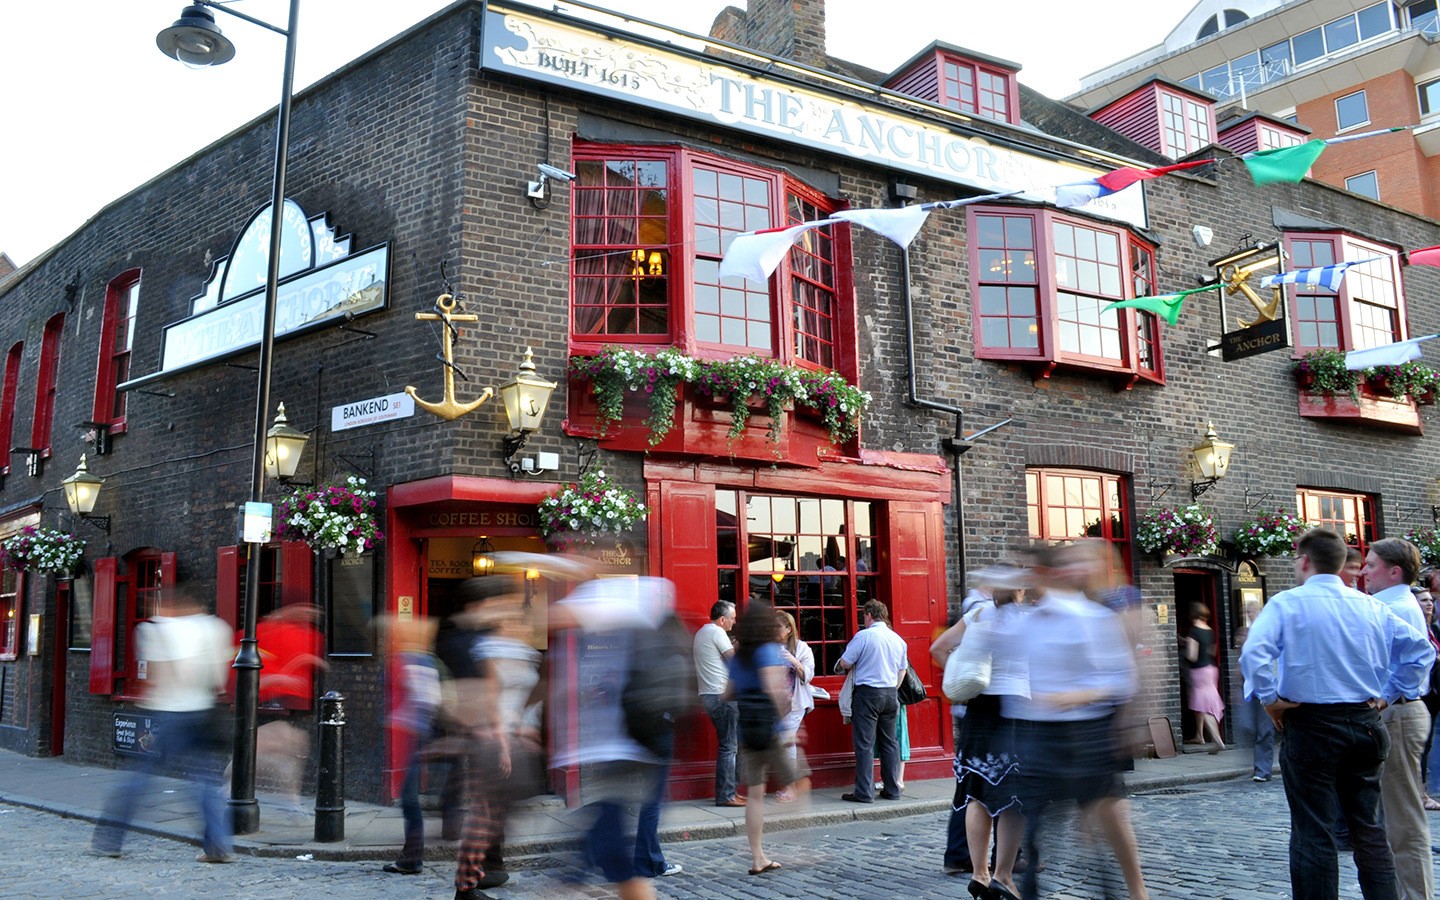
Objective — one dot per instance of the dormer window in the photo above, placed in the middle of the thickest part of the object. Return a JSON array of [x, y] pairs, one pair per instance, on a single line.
[[968, 82], [1166, 117]]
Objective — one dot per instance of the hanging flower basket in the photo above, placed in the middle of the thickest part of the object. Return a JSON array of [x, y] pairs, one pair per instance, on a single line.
[[1178, 530], [738, 381], [44, 550], [332, 517], [1269, 534], [582, 511], [1427, 540]]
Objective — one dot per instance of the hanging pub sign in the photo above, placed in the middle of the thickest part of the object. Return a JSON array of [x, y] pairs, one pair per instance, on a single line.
[[1240, 274], [321, 282]]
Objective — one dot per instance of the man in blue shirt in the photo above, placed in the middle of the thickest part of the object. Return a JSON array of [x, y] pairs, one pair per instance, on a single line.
[[1390, 568], [878, 656], [1324, 660]]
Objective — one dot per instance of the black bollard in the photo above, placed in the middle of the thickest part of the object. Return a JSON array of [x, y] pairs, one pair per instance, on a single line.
[[330, 786]]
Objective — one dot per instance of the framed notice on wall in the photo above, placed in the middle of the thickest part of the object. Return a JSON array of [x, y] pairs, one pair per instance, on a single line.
[[32, 636], [352, 605]]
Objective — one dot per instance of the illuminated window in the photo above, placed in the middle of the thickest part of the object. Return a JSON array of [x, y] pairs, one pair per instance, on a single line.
[[1070, 504], [1352, 516]]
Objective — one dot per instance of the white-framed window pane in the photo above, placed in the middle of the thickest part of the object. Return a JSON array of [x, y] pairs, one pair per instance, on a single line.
[[1351, 110], [1366, 184], [1429, 96]]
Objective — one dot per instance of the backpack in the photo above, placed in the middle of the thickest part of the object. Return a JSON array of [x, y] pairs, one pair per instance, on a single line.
[[660, 686]]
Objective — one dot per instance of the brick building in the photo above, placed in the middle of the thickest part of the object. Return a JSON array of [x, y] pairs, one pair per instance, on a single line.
[[426, 150], [1322, 69]]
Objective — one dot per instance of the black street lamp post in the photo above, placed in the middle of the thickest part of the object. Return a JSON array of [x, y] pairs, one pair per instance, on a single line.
[[195, 40]]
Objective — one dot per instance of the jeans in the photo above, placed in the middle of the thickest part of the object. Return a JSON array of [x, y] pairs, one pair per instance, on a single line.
[[181, 738], [1432, 778], [872, 727], [1402, 798], [649, 858], [1332, 755], [726, 718], [1255, 720], [414, 849]]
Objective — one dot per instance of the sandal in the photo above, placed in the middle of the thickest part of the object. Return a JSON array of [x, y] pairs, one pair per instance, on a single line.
[[768, 867], [1432, 804]]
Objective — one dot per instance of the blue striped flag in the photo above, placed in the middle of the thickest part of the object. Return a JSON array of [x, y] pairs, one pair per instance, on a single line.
[[1328, 277]]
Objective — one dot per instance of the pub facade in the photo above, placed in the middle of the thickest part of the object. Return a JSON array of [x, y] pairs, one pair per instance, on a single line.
[[415, 172]]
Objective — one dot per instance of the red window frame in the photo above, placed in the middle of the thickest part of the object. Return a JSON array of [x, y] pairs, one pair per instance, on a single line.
[[12, 589], [7, 400], [46, 379], [1340, 511], [124, 599], [799, 304], [1187, 129], [1076, 495], [1006, 274], [977, 89], [117, 335], [1350, 313]]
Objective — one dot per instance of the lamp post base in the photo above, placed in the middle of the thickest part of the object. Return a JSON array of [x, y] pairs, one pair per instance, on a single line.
[[245, 816]]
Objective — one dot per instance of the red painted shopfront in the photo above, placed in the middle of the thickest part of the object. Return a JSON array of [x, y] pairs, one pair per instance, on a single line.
[[816, 542]]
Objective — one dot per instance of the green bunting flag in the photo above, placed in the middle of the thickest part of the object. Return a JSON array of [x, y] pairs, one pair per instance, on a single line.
[[1283, 164], [1167, 306]]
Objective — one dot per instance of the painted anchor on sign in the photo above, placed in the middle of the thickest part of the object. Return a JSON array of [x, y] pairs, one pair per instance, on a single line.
[[448, 409]]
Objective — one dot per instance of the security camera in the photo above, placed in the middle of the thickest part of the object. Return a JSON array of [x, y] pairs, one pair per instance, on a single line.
[[550, 171]]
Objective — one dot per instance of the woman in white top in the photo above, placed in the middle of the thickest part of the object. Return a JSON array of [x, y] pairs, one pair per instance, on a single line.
[[800, 661]]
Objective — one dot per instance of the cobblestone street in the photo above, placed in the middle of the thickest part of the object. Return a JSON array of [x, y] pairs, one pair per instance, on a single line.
[[1223, 840]]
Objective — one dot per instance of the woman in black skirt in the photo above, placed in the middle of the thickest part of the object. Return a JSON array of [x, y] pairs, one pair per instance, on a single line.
[[986, 766]]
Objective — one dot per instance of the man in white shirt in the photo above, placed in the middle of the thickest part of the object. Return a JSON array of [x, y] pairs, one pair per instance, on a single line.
[[1390, 567], [713, 649], [877, 657]]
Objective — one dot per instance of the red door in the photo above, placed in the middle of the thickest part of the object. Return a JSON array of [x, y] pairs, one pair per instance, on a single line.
[[916, 532]]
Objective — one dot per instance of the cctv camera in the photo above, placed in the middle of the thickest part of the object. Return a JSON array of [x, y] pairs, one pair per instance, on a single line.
[[550, 171]]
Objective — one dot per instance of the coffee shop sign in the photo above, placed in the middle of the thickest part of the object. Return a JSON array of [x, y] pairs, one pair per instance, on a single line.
[[483, 519]]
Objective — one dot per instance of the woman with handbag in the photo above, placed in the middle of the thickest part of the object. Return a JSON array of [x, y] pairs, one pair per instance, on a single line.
[[757, 684], [986, 766], [799, 660]]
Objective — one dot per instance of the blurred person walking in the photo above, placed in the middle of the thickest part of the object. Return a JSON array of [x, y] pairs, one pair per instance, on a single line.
[[1323, 659], [672, 639], [1252, 713], [1202, 674], [1430, 578], [799, 662], [186, 654], [289, 646], [1390, 568], [415, 672], [758, 686], [877, 657], [713, 649]]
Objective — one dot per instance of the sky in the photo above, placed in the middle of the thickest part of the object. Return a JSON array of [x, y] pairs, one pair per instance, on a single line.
[[79, 130]]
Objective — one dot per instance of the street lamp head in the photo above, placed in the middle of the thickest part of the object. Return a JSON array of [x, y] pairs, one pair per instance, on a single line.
[[82, 489], [195, 39], [525, 396], [283, 446]]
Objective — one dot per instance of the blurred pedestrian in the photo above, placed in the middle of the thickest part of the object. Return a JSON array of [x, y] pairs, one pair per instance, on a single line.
[[1202, 674], [1431, 697], [1252, 713], [289, 645], [650, 859], [1323, 659], [187, 654], [799, 662], [758, 686], [877, 657], [713, 649], [415, 673]]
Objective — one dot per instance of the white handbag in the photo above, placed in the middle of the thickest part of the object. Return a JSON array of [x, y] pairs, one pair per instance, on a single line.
[[967, 670]]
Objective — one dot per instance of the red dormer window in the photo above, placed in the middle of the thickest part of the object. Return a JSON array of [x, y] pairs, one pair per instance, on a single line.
[[1165, 117], [963, 81]]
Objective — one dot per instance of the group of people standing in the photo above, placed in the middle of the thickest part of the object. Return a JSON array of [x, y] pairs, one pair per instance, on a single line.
[[1048, 724]]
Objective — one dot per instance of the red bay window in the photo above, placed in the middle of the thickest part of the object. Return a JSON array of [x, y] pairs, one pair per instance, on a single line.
[[1368, 309]]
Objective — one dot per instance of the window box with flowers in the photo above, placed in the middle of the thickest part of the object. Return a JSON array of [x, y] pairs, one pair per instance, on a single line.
[[1178, 531], [332, 517], [1427, 541], [42, 550], [1330, 391], [581, 512], [1269, 534], [748, 407]]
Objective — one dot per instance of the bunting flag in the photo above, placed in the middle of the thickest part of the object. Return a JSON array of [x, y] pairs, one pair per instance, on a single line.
[[1167, 306], [1426, 256], [1082, 192], [899, 225], [1328, 277], [1386, 355], [1292, 164]]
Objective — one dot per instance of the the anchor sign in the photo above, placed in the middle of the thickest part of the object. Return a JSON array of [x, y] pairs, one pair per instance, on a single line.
[[448, 409]]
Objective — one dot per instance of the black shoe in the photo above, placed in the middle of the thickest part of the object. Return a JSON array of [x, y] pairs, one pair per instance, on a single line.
[[978, 890], [494, 878], [403, 868], [851, 798], [885, 796], [473, 894]]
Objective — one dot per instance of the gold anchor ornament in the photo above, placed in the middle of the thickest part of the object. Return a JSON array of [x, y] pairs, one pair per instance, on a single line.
[[448, 409], [1236, 280]]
